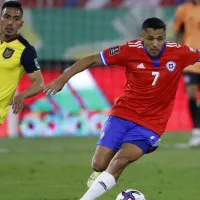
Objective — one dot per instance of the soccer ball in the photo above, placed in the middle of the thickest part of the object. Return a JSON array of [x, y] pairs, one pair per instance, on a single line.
[[130, 194]]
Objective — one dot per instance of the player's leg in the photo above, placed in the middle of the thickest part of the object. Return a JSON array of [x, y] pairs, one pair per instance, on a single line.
[[107, 179], [135, 145], [102, 158], [192, 81], [138, 141], [128, 153], [100, 161], [108, 144]]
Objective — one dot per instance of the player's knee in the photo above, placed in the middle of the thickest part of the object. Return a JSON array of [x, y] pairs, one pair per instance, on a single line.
[[98, 165]]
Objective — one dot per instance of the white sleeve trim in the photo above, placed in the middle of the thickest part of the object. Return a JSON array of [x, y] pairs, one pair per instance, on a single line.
[[103, 60], [199, 56]]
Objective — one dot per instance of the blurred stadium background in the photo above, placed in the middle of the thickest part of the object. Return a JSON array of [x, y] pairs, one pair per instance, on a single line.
[[49, 167], [64, 31]]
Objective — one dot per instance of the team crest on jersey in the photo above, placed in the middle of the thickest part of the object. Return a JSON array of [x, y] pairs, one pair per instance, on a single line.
[[114, 50], [171, 66], [8, 52]]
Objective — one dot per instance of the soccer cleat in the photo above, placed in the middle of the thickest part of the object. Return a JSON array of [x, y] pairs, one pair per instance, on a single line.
[[195, 139], [92, 178]]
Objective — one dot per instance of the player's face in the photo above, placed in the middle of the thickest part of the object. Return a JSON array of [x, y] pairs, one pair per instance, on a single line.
[[153, 40], [11, 21]]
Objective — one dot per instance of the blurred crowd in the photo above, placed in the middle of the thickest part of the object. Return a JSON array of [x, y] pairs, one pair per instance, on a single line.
[[97, 3]]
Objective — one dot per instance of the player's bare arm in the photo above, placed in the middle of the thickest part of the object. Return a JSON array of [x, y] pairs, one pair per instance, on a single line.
[[178, 26], [35, 88], [85, 63]]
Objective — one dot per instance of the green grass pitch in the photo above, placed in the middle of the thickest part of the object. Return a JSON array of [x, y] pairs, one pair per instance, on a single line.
[[58, 168]]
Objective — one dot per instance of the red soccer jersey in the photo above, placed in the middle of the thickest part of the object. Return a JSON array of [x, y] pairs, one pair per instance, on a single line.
[[151, 81]]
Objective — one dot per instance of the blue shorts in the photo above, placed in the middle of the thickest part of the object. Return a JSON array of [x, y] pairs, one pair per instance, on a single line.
[[118, 131]]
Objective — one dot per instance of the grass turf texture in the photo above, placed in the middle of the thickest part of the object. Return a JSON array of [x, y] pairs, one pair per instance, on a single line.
[[58, 168]]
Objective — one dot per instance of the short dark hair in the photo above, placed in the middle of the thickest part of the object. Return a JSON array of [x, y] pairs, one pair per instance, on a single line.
[[13, 4], [154, 23]]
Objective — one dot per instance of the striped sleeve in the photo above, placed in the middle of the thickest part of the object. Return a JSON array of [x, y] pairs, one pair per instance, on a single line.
[[116, 55], [103, 59], [199, 56]]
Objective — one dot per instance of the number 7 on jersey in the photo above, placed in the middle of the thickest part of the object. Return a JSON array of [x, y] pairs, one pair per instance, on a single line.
[[156, 77]]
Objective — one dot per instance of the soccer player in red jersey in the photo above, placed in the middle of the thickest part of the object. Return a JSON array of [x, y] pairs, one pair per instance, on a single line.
[[140, 115]]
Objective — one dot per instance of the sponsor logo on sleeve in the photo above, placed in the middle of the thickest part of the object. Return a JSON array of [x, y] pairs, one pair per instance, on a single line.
[[114, 50], [36, 63]]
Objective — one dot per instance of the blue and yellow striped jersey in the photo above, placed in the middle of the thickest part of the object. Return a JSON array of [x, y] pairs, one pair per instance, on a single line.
[[16, 57]]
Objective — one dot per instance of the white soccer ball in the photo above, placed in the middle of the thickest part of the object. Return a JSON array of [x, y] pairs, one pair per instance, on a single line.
[[130, 194]]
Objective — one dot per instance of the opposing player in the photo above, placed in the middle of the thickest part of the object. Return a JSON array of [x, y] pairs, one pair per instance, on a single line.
[[139, 117], [187, 27], [16, 57]]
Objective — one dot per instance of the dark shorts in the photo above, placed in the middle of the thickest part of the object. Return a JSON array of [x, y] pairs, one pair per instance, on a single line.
[[191, 78], [118, 131]]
